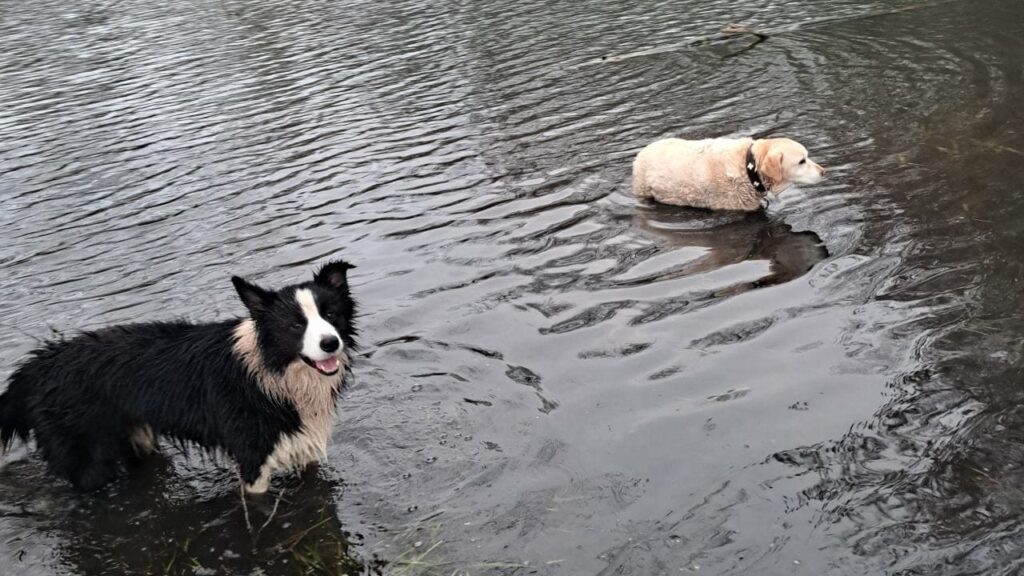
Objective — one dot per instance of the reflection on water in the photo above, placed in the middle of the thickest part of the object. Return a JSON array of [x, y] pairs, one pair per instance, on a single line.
[[561, 379], [723, 240], [167, 521]]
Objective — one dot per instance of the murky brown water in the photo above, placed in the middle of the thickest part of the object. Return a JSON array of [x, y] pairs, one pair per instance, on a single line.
[[558, 379]]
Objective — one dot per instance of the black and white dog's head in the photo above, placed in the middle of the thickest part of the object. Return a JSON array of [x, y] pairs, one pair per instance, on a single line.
[[312, 322]]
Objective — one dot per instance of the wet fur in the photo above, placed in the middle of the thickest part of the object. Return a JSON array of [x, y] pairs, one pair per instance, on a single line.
[[711, 174], [238, 387]]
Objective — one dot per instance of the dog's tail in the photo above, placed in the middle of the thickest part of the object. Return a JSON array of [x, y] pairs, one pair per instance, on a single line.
[[14, 417]]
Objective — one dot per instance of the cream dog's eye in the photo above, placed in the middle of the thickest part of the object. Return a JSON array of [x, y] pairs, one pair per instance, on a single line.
[[804, 161]]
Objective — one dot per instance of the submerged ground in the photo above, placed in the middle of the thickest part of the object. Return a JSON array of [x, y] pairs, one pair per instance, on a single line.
[[556, 379]]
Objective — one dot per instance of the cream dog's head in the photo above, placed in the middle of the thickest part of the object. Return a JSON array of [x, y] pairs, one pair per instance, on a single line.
[[783, 162]]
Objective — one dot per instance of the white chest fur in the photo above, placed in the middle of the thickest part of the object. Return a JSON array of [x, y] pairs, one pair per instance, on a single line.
[[310, 392]]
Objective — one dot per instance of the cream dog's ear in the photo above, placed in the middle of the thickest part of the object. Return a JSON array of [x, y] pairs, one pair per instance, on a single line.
[[771, 166]]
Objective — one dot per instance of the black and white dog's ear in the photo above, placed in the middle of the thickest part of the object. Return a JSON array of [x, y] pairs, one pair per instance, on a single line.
[[256, 299], [333, 275]]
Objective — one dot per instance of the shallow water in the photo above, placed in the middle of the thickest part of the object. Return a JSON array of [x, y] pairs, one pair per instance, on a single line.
[[556, 378]]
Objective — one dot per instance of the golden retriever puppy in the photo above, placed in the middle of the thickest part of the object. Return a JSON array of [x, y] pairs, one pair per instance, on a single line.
[[721, 173]]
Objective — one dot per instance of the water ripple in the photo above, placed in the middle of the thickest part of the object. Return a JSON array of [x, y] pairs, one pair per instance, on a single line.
[[563, 378]]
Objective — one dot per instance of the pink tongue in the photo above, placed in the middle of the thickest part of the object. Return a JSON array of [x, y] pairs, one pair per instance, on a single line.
[[329, 365]]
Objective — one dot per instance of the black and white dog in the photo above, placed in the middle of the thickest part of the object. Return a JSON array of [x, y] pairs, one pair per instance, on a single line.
[[261, 389]]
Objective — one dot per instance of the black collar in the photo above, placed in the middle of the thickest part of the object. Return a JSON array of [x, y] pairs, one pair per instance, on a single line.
[[753, 175]]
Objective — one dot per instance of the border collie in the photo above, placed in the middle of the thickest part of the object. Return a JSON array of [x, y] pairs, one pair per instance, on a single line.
[[260, 389]]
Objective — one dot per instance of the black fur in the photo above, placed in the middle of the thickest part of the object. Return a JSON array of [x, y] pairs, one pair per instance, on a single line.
[[82, 398]]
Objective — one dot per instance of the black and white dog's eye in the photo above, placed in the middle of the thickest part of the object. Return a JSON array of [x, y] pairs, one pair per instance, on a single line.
[[330, 316], [298, 325]]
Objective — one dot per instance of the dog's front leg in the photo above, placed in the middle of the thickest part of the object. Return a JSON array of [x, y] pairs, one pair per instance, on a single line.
[[255, 476]]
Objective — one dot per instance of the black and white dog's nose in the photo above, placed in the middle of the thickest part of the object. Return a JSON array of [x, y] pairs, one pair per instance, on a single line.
[[329, 343]]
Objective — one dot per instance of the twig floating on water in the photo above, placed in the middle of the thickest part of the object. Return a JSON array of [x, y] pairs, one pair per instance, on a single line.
[[736, 30], [732, 30]]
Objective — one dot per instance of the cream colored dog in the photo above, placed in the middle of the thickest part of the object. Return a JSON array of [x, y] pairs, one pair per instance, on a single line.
[[721, 173]]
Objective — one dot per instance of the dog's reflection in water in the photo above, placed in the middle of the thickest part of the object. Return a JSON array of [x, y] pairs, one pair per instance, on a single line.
[[155, 523], [728, 239]]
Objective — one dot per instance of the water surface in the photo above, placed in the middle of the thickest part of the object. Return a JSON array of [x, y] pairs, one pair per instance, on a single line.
[[556, 379]]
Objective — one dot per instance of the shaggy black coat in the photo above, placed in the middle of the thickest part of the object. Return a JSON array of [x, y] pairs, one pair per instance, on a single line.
[[95, 401]]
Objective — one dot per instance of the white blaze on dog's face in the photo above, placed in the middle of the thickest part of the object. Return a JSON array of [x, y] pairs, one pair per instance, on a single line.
[[321, 343], [310, 322]]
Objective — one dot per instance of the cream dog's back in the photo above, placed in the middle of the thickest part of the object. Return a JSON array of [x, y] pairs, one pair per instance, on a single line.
[[698, 173], [712, 173]]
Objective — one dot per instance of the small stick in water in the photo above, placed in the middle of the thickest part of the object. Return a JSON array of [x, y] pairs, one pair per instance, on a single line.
[[736, 29]]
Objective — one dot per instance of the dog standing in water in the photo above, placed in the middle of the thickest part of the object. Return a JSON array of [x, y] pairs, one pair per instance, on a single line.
[[261, 389], [721, 173]]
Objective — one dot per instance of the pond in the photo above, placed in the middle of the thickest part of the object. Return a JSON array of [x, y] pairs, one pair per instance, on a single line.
[[555, 378]]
